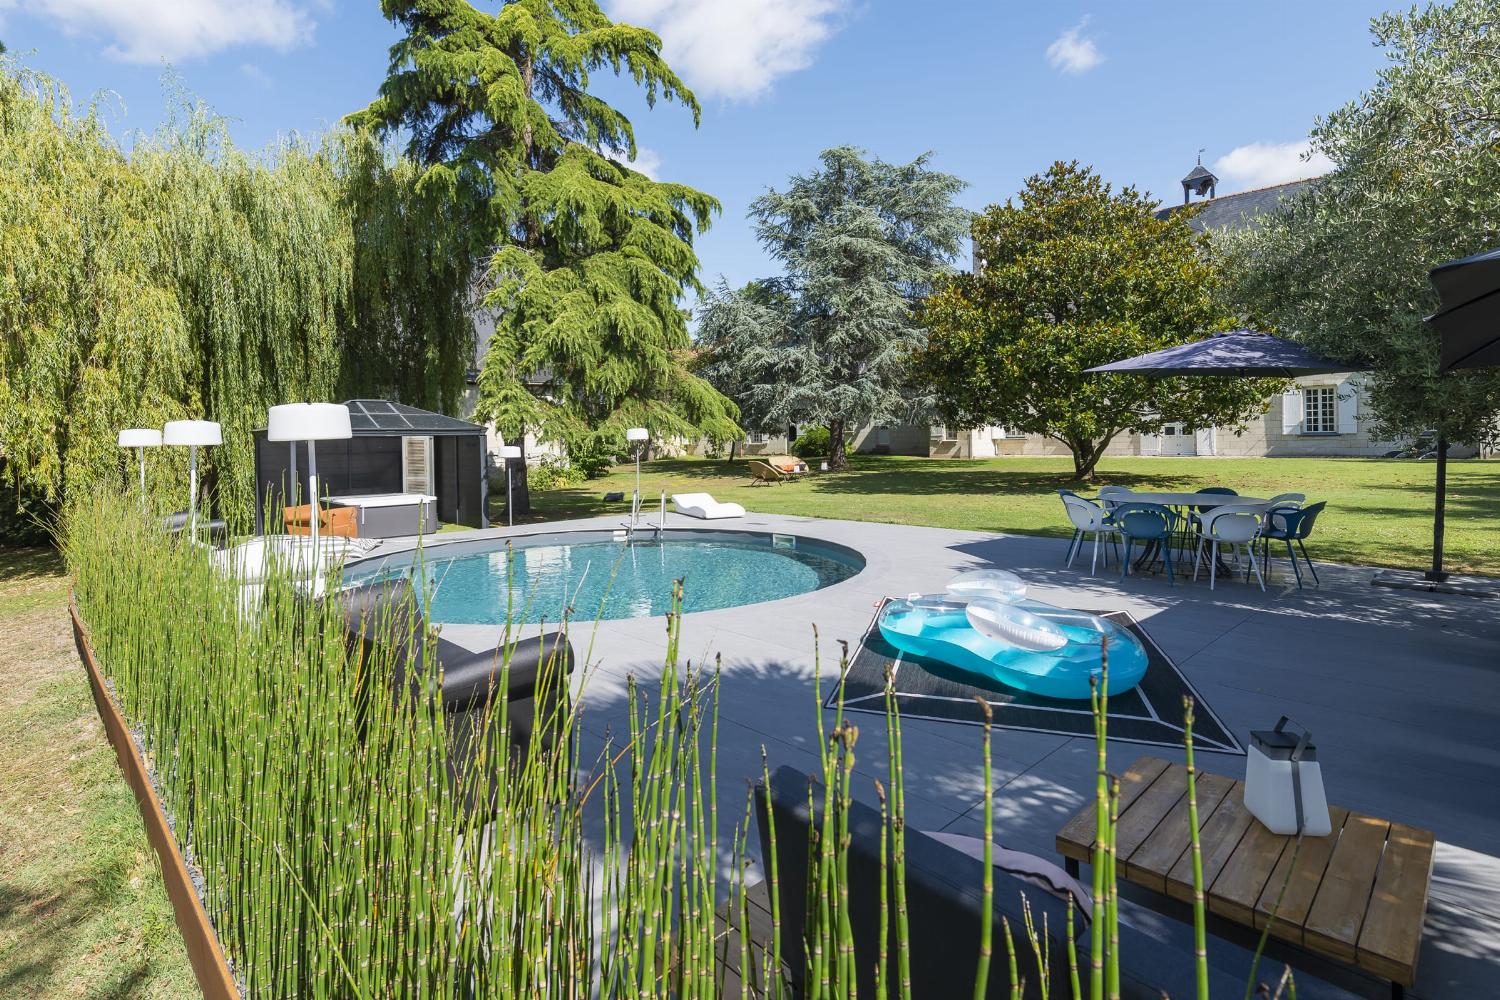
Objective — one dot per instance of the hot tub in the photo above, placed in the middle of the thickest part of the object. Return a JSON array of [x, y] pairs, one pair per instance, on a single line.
[[389, 515]]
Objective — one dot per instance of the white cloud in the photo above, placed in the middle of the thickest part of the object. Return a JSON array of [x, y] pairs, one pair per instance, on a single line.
[[735, 48], [147, 31], [1262, 164], [256, 75], [647, 161], [1073, 51]]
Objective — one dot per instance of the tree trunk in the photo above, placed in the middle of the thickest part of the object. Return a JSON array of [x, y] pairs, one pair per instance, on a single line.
[[520, 491], [1086, 453], [1436, 574], [837, 458], [732, 446]]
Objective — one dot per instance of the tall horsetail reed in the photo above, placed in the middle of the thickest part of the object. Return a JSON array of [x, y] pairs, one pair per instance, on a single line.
[[356, 839]]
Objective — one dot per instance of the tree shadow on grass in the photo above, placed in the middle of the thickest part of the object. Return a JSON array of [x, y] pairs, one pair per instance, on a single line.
[[50, 934], [30, 563], [934, 480]]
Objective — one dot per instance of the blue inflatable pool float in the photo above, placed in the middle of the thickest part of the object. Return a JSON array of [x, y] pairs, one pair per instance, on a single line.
[[984, 625]]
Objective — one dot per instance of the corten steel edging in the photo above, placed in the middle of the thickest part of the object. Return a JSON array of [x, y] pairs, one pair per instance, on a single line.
[[204, 953]]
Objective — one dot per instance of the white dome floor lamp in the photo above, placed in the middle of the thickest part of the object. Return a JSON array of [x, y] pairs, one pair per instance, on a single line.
[[310, 422], [141, 438], [192, 434], [637, 436], [508, 452]]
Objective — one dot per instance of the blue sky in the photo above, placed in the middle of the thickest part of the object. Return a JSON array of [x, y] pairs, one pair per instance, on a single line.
[[997, 90]]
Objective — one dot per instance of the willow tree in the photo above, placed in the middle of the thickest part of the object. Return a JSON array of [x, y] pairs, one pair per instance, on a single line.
[[88, 332], [408, 334], [187, 279], [589, 259], [258, 253]]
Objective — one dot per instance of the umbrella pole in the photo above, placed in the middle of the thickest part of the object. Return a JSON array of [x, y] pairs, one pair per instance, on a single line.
[[1436, 574]]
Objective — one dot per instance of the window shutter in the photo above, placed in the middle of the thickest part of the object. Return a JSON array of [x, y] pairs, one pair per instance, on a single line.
[[1291, 412], [1348, 408], [416, 465]]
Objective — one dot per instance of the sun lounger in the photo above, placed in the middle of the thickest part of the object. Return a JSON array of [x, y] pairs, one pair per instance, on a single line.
[[763, 473], [704, 506], [788, 465]]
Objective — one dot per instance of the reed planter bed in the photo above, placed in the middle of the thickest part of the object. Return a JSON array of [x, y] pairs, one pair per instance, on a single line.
[[204, 953]]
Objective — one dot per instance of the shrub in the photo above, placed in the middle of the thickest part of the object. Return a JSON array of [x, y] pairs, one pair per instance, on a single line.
[[553, 474], [592, 459], [815, 441]]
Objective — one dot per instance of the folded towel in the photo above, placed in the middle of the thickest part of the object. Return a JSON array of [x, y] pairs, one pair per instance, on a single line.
[[1028, 868]]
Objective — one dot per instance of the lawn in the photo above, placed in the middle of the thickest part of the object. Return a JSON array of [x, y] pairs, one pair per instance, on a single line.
[[82, 909], [1379, 511]]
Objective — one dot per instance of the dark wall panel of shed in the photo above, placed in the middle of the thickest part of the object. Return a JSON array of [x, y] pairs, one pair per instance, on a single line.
[[471, 482]]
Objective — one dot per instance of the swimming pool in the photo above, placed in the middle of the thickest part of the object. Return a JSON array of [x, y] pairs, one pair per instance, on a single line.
[[602, 577]]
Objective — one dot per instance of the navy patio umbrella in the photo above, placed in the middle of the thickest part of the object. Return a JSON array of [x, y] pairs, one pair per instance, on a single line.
[[1468, 325], [1468, 319], [1235, 352]]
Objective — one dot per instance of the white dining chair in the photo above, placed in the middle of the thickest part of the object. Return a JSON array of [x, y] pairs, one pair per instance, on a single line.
[[1233, 525], [1112, 496], [1088, 518]]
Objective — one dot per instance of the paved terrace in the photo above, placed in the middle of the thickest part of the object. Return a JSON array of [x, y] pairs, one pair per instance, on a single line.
[[1401, 690]]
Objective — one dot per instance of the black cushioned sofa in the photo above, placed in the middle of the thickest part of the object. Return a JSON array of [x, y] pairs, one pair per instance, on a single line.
[[944, 890], [539, 671]]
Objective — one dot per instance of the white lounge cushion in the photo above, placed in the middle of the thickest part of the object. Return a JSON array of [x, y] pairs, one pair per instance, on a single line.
[[703, 505], [1029, 868]]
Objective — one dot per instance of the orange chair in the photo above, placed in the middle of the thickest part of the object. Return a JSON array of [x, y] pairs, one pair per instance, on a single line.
[[342, 522]]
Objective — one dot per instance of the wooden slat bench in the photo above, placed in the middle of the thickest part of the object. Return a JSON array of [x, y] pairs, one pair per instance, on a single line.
[[1358, 896]]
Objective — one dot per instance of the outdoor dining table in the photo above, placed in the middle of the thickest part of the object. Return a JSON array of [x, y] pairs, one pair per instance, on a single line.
[[1178, 501]]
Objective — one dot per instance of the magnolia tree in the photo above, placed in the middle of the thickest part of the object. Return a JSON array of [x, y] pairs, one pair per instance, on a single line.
[[589, 258], [830, 341], [1417, 183], [1075, 275]]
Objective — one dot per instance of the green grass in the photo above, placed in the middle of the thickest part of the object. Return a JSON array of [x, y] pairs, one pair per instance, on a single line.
[[82, 909], [1379, 512]]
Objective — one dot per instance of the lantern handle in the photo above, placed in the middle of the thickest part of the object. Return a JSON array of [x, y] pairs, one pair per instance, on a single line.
[[1296, 762], [1303, 740]]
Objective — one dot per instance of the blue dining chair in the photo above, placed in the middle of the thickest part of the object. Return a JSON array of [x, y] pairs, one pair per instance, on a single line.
[[1151, 524], [1289, 523]]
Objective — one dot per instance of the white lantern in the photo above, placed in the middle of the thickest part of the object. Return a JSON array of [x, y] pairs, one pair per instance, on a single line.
[[192, 434], [140, 438], [310, 422], [1284, 784], [637, 436], [508, 452]]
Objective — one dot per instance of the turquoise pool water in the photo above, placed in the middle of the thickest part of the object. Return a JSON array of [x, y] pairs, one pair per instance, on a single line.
[[603, 578]]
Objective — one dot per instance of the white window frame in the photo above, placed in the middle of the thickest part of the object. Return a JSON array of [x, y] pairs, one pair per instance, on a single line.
[[940, 434], [1320, 410], [757, 438]]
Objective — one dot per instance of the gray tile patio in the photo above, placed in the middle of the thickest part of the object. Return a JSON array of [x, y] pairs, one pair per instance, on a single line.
[[1401, 689]]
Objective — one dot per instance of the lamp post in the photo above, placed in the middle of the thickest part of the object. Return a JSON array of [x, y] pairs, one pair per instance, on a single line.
[[637, 436], [141, 438], [310, 422], [192, 434], [508, 452]]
